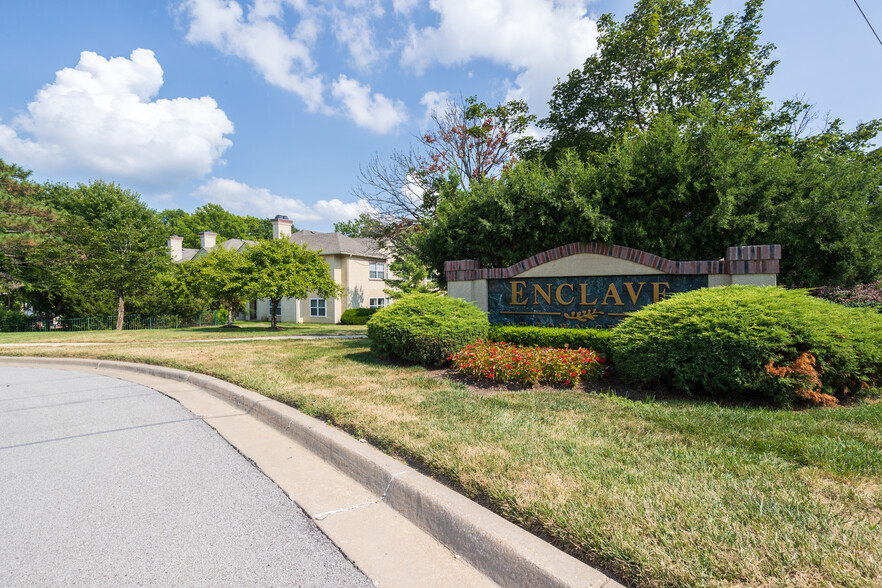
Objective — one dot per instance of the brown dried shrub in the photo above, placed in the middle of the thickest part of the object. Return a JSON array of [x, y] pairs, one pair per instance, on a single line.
[[804, 370]]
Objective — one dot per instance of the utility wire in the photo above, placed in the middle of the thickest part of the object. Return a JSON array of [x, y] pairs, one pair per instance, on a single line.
[[868, 21]]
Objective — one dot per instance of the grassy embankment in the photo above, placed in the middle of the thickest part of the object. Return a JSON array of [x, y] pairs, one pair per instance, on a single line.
[[663, 493], [255, 329]]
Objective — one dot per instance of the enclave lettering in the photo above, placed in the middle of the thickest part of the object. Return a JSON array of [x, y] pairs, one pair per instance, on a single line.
[[581, 301], [519, 298]]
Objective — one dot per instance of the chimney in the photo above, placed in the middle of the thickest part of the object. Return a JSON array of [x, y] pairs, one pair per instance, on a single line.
[[281, 227], [207, 238], [176, 247]]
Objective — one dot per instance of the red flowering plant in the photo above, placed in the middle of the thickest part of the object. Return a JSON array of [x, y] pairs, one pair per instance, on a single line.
[[504, 362]]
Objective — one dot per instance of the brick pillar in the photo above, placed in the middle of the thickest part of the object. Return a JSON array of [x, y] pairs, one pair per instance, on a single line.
[[753, 259]]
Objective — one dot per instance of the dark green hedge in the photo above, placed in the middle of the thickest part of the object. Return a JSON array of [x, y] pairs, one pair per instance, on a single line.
[[426, 328], [595, 339], [754, 341], [357, 316], [10, 319]]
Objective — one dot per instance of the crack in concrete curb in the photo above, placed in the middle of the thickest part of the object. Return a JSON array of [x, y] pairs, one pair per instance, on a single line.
[[324, 515]]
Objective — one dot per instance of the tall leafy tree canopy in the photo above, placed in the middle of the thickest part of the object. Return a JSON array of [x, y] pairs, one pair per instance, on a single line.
[[683, 192], [110, 243], [667, 57], [213, 217]]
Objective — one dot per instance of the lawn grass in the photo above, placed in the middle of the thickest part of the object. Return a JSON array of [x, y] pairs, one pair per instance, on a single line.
[[249, 329], [659, 492]]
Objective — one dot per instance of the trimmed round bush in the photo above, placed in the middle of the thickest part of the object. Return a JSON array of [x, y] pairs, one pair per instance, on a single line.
[[357, 316], [777, 344], [426, 328]]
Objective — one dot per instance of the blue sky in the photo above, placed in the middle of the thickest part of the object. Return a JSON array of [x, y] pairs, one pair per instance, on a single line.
[[269, 106]]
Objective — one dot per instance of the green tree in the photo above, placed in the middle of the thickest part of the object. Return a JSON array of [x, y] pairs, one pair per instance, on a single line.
[[529, 209], [667, 57], [409, 275], [280, 269], [362, 227], [688, 191], [172, 292], [684, 191], [221, 277], [830, 221], [25, 222], [213, 217], [110, 243]]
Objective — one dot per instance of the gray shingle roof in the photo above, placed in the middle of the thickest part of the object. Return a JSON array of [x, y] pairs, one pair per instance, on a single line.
[[328, 243], [236, 244], [229, 244], [336, 243]]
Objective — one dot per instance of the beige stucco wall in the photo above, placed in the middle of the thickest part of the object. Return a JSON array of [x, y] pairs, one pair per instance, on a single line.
[[360, 287], [588, 264], [474, 291], [742, 279]]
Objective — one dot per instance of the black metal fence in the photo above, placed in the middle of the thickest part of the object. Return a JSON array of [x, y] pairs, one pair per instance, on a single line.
[[108, 323]]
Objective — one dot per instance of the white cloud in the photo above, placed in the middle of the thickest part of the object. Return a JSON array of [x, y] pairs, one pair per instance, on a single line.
[[541, 39], [354, 31], [243, 199], [434, 102], [283, 60], [100, 118], [258, 35], [404, 6], [337, 210], [372, 111]]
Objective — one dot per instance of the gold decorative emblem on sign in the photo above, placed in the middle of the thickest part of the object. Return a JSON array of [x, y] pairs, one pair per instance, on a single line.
[[583, 316]]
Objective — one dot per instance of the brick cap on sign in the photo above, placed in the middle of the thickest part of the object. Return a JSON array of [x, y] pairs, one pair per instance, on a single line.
[[747, 259]]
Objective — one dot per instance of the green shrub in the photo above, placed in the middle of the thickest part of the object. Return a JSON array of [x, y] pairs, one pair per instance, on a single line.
[[595, 339], [426, 328], [504, 362], [779, 344], [10, 319], [357, 316]]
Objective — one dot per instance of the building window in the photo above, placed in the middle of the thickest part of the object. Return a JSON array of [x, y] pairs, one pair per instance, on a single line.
[[317, 307], [377, 270], [278, 308], [379, 302]]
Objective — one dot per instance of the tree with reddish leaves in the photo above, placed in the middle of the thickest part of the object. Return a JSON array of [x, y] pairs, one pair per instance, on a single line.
[[474, 140], [468, 141]]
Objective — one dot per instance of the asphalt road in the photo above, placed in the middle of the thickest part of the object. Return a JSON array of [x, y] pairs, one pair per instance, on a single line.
[[106, 482]]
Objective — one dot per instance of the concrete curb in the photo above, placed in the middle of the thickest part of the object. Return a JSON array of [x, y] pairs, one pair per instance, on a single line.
[[502, 551]]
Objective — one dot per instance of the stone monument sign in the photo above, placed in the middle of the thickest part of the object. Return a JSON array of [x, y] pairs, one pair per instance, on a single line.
[[590, 285]]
